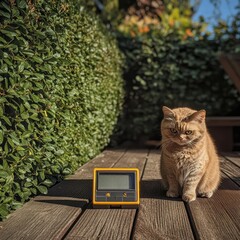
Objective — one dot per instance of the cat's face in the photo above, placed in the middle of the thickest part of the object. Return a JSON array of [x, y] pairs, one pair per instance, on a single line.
[[183, 125]]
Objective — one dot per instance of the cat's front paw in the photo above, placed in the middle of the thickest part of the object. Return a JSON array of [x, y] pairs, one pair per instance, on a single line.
[[171, 193], [205, 194], [188, 197]]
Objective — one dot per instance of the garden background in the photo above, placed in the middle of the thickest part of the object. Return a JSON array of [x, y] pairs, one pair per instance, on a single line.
[[76, 76]]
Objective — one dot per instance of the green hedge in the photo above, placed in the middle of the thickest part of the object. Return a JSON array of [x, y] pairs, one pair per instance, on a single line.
[[164, 70], [61, 92]]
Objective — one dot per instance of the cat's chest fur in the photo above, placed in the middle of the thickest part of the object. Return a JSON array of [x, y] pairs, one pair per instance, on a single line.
[[187, 164]]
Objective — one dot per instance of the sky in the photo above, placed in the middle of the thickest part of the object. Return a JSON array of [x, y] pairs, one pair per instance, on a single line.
[[226, 9]]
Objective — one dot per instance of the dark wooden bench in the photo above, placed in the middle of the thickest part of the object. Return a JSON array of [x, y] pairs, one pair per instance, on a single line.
[[66, 211], [221, 129]]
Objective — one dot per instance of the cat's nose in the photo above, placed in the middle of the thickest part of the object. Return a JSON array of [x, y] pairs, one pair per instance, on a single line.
[[181, 136]]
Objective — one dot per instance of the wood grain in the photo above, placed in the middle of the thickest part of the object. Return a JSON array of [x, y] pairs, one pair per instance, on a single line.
[[234, 157], [107, 158], [219, 216], [231, 170], [41, 220], [104, 224], [159, 217]]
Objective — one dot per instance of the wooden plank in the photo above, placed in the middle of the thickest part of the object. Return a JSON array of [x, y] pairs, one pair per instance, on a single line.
[[217, 217], [107, 158], [103, 224], [134, 158], [231, 170], [110, 223], [159, 217], [41, 220], [50, 216], [234, 157]]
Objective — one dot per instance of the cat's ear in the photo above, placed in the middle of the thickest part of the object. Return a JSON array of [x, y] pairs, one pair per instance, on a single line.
[[199, 116], [168, 113]]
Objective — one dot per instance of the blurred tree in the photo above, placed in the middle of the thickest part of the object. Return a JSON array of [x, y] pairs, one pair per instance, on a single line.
[[164, 16], [138, 17]]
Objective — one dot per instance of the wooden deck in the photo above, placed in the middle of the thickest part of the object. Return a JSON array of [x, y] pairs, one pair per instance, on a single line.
[[66, 212]]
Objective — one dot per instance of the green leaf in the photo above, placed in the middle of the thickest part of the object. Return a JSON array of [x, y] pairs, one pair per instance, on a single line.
[[21, 67], [1, 136], [3, 174], [6, 119], [42, 175], [15, 139], [16, 205], [19, 148], [9, 32], [34, 117], [27, 184], [8, 200], [24, 115], [3, 211], [6, 148], [22, 4], [5, 14], [10, 142], [67, 171], [6, 6], [33, 190], [20, 126], [47, 183], [59, 152], [3, 40], [42, 189], [35, 98], [16, 158], [37, 59], [5, 165], [3, 99]]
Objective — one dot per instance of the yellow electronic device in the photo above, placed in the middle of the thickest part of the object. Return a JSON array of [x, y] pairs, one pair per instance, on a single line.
[[116, 187]]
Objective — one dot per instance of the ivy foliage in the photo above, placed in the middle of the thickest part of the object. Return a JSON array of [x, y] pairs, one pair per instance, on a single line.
[[60, 94]]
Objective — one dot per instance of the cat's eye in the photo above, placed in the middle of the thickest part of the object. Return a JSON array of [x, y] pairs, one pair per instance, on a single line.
[[173, 130], [189, 132]]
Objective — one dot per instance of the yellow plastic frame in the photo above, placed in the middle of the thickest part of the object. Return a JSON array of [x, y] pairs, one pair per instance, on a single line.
[[95, 170]]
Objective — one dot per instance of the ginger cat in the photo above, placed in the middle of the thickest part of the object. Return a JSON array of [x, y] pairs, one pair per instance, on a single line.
[[189, 162]]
